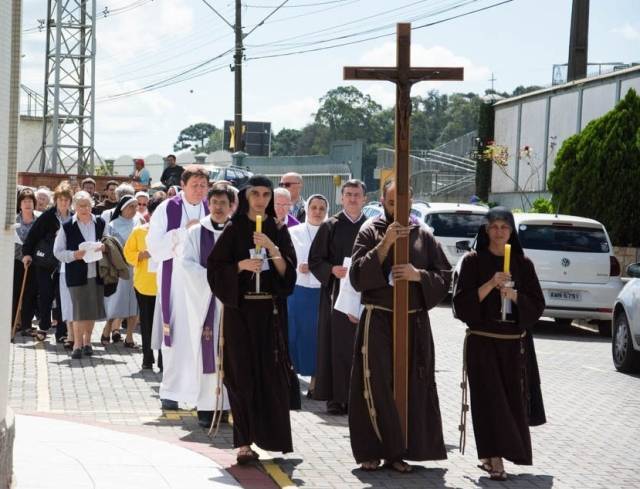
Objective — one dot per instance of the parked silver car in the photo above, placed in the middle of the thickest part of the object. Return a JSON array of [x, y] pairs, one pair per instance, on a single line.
[[625, 346]]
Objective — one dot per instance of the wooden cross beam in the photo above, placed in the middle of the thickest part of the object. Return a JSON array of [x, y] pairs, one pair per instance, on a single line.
[[403, 76]]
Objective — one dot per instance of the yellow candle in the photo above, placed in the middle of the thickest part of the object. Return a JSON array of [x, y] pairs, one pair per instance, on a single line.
[[258, 228], [507, 258]]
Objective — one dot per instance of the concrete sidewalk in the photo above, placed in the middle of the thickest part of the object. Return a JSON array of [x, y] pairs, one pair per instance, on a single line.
[[54, 454]]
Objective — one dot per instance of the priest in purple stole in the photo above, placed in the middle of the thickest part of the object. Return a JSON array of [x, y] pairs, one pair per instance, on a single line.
[[203, 309], [256, 362], [166, 239]]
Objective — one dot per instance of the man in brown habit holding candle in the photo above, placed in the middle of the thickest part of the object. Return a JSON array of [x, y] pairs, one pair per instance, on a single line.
[[255, 358]]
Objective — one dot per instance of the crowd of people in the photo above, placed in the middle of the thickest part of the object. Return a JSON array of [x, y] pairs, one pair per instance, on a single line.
[[236, 292]]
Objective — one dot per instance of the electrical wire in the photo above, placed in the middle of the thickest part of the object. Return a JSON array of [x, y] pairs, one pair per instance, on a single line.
[[219, 14], [292, 53], [302, 5], [203, 68], [261, 23]]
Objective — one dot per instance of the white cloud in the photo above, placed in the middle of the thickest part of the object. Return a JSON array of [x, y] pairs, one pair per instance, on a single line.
[[292, 114], [629, 32], [385, 55]]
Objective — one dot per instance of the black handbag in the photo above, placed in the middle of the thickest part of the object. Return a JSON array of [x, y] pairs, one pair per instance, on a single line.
[[43, 254]]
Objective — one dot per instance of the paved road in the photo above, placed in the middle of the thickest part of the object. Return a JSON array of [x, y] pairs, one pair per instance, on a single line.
[[592, 439]]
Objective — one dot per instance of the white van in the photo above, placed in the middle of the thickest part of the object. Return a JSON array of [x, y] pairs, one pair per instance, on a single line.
[[450, 223], [574, 261]]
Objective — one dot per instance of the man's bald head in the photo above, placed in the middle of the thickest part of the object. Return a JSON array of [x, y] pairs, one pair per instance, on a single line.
[[292, 181]]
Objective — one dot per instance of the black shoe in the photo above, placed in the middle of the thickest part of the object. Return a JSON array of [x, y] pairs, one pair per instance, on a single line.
[[77, 353], [205, 418], [169, 405], [334, 408], [147, 366], [87, 350]]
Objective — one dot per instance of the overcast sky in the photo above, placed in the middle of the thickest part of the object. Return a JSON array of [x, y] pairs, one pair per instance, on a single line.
[[147, 42]]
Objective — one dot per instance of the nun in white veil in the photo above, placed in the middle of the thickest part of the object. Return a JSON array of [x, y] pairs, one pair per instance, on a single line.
[[304, 303]]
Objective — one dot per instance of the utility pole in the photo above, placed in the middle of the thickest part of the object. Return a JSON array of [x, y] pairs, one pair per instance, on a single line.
[[578, 40], [237, 70]]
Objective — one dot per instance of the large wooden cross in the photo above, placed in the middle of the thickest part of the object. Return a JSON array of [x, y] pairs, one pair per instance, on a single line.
[[404, 76]]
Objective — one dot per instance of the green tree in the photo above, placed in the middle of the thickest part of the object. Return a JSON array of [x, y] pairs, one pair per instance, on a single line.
[[286, 142], [597, 170], [521, 90], [314, 140], [461, 116], [215, 141], [428, 119], [348, 113], [195, 137]]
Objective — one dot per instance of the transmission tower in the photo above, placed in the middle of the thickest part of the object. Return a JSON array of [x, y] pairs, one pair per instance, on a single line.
[[68, 128]]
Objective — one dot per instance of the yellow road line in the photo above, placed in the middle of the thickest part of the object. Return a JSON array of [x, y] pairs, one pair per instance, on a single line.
[[274, 470], [42, 378]]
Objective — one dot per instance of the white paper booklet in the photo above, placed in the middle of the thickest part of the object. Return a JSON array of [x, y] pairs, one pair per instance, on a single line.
[[93, 251], [348, 301]]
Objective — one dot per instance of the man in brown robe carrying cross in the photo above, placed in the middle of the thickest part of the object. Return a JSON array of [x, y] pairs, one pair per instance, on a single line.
[[374, 421], [401, 317]]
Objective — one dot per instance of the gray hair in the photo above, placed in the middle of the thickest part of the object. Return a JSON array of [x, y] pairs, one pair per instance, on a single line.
[[80, 196], [43, 191], [281, 191], [124, 189], [293, 174]]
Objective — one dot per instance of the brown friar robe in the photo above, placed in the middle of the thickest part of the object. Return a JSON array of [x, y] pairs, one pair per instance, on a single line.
[[333, 242], [255, 357], [497, 369], [425, 440]]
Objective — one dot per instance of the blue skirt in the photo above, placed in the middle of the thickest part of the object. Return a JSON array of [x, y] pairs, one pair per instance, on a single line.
[[302, 309]]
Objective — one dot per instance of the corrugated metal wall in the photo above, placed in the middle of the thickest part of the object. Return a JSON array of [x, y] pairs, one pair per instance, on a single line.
[[319, 183]]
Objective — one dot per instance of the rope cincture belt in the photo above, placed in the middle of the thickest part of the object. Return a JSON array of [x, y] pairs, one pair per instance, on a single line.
[[366, 373], [258, 297], [464, 385]]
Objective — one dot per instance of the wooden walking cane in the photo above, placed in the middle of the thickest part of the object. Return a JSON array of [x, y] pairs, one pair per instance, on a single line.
[[16, 321]]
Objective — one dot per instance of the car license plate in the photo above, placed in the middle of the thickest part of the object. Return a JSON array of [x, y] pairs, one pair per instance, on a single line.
[[565, 295]]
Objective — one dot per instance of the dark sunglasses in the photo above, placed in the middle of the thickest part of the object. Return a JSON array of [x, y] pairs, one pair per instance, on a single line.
[[287, 184]]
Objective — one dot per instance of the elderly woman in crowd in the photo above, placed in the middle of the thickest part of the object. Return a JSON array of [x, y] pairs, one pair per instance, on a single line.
[[304, 303], [282, 203], [43, 199], [123, 303], [85, 286], [142, 199], [24, 221], [38, 248]]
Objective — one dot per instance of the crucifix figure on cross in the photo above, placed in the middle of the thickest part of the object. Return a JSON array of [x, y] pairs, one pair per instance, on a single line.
[[403, 76]]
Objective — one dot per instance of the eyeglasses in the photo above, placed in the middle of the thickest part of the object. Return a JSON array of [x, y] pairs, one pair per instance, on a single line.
[[287, 184]]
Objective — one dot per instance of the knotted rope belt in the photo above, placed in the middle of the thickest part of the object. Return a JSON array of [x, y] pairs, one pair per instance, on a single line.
[[366, 373], [464, 384]]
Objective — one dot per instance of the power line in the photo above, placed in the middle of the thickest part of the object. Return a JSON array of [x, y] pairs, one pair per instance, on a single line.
[[326, 29], [161, 83], [261, 23], [378, 36], [103, 14], [302, 5], [218, 14], [196, 70]]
